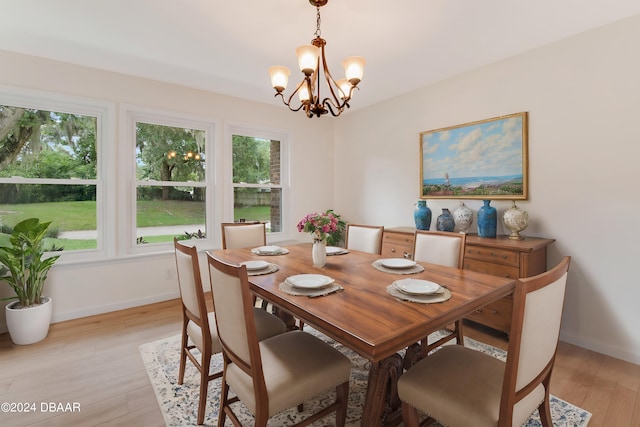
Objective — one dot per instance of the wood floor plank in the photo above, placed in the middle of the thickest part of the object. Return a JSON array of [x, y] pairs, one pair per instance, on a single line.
[[95, 361]]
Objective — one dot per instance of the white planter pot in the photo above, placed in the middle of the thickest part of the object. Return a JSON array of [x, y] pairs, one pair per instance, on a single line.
[[29, 325]]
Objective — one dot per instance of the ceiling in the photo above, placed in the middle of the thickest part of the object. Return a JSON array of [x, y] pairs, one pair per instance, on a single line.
[[226, 46]]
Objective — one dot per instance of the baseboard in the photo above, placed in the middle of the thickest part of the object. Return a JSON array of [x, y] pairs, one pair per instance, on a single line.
[[598, 347], [107, 308]]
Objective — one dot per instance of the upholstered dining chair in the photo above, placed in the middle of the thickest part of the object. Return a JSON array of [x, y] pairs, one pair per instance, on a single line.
[[274, 374], [460, 387], [243, 234], [442, 248], [198, 325], [365, 238]]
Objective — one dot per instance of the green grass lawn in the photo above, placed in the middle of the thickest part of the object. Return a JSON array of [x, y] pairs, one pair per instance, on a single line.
[[72, 216]]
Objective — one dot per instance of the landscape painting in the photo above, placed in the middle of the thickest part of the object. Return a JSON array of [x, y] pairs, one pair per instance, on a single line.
[[486, 159]]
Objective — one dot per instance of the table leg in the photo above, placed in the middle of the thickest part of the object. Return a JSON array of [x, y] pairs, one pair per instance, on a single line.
[[382, 406]]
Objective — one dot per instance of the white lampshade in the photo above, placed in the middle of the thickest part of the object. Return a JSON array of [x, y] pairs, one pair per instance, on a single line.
[[354, 68], [307, 58], [279, 77], [344, 88]]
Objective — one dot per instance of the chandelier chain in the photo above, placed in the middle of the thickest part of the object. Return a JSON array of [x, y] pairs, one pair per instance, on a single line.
[[318, 32]]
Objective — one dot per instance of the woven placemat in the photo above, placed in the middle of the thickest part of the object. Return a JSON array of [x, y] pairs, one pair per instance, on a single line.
[[411, 270], [271, 268], [424, 299], [292, 290]]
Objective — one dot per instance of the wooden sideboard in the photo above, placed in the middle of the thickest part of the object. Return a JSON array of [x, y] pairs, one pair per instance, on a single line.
[[499, 256]]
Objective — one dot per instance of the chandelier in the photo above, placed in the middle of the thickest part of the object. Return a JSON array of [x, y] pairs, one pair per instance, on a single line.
[[312, 63]]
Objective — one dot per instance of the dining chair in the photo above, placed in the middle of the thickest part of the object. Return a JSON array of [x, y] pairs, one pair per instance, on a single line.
[[198, 325], [365, 238], [243, 234], [442, 248], [460, 387], [274, 374]]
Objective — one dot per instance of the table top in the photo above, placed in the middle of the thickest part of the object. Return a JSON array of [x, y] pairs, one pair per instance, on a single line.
[[364, 317]]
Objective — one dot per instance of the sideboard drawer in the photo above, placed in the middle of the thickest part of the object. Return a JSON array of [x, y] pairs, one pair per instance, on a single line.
[[397, 245], [496, 315], [490, 268], [495, 255]]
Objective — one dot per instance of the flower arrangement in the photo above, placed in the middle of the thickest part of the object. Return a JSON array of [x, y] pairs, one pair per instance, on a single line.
[[322, 226]]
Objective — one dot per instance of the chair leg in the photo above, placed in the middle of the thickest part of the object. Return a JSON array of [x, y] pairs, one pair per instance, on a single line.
[[545, 413], [342, 396], [224, 402], [183, 356], [204, 386], [459, 332], [409, 415]]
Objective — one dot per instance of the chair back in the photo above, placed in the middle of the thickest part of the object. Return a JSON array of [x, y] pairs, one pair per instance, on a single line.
[[535, 329], [365, 238], [233, 307], [439, 247], [243, 235], [190, 283]]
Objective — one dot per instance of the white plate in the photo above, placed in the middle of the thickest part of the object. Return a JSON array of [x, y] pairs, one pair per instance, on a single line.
[[334, 250], [269, 249], [255, 265], [309, 281], [397, 263], [417, 287]]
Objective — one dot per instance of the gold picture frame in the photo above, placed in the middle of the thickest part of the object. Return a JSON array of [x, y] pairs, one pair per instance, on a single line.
[[486, 159]]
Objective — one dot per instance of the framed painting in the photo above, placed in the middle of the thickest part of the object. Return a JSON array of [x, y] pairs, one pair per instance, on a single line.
[[486, 159]]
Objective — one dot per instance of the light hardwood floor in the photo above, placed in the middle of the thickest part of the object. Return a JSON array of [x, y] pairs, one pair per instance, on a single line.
[[95, 363]]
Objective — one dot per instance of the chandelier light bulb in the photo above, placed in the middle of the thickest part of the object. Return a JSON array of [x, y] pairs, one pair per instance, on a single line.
[[279, 77], [344, 88], [307, 58], [354, 69]]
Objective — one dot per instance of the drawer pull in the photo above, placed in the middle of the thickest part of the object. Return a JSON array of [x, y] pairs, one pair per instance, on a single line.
[[493, 255], [407, 255], [507, 275], [494, 311], [479, 310], [393, 250], [504, 257]]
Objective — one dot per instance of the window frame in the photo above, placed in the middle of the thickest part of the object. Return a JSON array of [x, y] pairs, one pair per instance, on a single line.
[[104, 112], [130, 115], [284, 186]]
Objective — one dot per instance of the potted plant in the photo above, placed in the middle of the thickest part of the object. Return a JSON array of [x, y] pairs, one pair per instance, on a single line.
[[24, 267]]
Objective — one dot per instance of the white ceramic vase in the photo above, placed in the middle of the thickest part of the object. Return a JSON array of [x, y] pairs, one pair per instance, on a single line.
[[29, 325], [516, 220], [463, 216], [319, 253]]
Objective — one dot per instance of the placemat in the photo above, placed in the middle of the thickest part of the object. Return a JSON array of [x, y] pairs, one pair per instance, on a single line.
[[271, 268], [412, 270], [292, 290], [424, 299]]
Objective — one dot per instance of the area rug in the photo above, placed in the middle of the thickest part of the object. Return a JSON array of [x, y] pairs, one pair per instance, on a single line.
[[179, 403]]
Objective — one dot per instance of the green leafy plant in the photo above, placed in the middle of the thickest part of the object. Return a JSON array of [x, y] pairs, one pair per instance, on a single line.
[[23, 265]]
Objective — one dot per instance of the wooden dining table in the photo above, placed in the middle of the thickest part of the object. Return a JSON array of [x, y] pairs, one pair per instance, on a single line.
[[365, 317]]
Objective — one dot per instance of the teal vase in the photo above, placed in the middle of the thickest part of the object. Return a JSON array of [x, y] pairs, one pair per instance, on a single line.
[[422, 215], [487, 220]]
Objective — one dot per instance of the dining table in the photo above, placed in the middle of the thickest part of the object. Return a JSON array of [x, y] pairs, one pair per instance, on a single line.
[[364, 316]]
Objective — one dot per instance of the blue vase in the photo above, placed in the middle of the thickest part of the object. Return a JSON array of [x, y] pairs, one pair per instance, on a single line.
[[445, 221], [422, 215], [487, 220]]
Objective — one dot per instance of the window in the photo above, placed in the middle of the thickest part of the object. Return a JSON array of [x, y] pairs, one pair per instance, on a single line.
[[50, 167], [171, 179], [257, 179]]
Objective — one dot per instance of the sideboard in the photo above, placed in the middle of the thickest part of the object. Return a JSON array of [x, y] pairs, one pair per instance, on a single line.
[[499, 256]]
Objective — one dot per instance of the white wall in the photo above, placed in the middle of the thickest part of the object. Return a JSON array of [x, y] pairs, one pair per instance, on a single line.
[[583, 99], [82, 289]]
